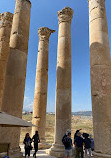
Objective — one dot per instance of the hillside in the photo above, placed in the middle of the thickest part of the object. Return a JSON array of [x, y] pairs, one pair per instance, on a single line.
[[82, 113]]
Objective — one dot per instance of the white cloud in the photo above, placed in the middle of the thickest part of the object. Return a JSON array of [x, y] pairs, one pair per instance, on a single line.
[[28, 104]]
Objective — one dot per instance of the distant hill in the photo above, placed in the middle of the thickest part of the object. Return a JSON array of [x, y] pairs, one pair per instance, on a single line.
[[79, 113], [82, 113]]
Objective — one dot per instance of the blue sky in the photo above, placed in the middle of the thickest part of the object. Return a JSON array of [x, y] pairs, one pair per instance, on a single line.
[[44, 14]]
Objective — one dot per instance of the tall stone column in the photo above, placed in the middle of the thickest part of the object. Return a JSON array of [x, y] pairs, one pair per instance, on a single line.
[[5, 31], [14, 86], [63, 82], [100, 69], [40, 97]]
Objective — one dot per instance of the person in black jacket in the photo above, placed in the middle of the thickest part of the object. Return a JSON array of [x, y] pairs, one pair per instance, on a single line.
[[78, 142], [87, 144], [76, 133], [36, 140], [67, 141]]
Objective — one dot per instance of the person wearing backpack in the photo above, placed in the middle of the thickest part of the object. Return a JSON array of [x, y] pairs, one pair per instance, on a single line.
[[67, 141]]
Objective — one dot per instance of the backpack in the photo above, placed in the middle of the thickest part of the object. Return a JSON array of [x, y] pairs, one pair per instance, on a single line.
[[65, 141]]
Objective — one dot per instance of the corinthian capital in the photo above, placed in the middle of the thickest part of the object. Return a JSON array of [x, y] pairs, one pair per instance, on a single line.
[[65, 15], [6, 19], [44, 33]]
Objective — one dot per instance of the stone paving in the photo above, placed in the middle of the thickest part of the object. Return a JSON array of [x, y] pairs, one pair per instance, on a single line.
[[40, 153]]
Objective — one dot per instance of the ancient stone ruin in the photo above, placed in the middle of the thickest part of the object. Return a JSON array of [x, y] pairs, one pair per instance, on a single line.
[[14, 36], [63, 82], [14, 85], [40, 97]]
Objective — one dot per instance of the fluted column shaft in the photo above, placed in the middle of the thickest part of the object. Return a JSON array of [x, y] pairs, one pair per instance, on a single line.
[[100, 69], [63, 81], [40, 97], [5, 31], [14, 86]]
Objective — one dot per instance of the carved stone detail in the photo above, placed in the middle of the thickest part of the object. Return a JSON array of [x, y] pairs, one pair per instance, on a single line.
[[65, 15], [44, 33], [6, 19]]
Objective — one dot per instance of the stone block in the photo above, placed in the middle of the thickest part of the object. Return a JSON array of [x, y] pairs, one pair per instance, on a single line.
[[41, 82], [101, 80], [64, 47], [64, 30], [17, 64], [63, 78], [99, 55]]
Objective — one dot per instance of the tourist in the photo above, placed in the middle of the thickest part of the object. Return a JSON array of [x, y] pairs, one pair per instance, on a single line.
[[78, 142], [27, 141], [75, 135], [92, 142], [67, 141], [36, 140], [87, 144]]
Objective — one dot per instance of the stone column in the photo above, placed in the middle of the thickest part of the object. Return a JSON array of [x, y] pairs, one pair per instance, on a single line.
[[5, 30], [100, 69], [14, 86], [63, 82], [40, 97]]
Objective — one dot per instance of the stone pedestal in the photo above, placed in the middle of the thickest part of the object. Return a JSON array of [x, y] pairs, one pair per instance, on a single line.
[[5, 31], [40, 97], [100, 69], [13, 94], [63, 82]]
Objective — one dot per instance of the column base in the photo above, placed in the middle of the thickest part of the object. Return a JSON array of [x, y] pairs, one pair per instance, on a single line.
[[15, 153], [100, 155], [56, 150], [44, 145]]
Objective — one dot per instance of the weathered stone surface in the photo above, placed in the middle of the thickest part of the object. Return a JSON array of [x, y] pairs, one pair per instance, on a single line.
[[13, 94], [63, 48], [100, 78], [5, 30], [20, 29], [40, 96], [41, 82], [99, 54], [63, 83]]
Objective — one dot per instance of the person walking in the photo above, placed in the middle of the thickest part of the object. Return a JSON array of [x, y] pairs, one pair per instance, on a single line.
[[36, 140], [78, 142], [67, 141], [27, 141]]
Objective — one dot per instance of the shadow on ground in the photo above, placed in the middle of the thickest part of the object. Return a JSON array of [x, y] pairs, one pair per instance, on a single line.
[[40, 153]]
